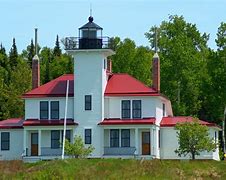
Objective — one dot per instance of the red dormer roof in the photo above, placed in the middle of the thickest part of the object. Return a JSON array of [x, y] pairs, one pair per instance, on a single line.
[[54, 88], [172, 121], [126, 85]]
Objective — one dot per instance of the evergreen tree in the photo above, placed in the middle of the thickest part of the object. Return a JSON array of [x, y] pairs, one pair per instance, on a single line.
[[13, 55], [57, 51], [31, 53]]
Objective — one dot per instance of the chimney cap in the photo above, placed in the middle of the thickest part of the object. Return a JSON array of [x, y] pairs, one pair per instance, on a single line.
[[35, 57], [156, 55]]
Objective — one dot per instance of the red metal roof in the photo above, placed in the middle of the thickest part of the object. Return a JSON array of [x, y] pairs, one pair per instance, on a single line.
[[118, 121], [36, 122], [13, 123], [118, 85], [126, 85], [172, 121], [54, 88]]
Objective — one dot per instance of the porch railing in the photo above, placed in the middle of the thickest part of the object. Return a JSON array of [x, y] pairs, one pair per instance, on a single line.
[[48, 151], [119, 150]]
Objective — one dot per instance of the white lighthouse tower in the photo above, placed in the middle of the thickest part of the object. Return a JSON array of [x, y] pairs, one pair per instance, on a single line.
[[90, 51]]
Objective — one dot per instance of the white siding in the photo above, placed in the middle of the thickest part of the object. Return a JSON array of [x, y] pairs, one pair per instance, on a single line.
[[32, 107], [90, 78], [113, 106], [16, 145], [169, 143]]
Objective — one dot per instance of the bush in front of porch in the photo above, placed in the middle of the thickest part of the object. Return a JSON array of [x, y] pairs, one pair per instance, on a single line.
[[77, 148]]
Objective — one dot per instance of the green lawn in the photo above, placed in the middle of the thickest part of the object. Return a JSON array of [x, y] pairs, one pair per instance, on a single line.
[[113, 169]]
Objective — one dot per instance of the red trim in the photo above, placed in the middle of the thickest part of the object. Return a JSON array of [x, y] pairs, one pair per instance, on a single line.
[[46, 95], [37, 122], [117, 121], [11, 127], [131, 94]]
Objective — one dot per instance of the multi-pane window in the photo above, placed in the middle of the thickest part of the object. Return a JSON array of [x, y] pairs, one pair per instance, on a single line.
[[125, 138], [88, 136], [88, 102], [136, 108], [44, 110], [5, 140], [114, 138], [67, 136], [54, 106], [125, 109], [55, 139], [163, 110]]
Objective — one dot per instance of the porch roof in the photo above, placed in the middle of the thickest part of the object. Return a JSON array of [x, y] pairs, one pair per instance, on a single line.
[[118, 121], [13, 123], [172, 121], [37, 122]]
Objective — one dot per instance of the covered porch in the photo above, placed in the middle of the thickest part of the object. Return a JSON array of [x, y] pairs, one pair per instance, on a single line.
[[139, 140], [45, 141]]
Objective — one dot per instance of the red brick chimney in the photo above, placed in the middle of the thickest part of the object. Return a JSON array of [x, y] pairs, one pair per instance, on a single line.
[[156, 72], [109, 65], [35, 72]]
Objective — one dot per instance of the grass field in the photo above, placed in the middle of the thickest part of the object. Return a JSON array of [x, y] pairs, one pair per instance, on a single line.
[[113, 169]]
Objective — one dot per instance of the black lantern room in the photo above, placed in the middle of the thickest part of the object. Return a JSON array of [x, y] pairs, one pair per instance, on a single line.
[[90, 35]]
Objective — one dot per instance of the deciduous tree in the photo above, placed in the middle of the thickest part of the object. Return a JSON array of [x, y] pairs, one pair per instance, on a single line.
[[193, 138]]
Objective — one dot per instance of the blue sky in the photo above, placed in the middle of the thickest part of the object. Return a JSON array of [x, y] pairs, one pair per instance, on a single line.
[[123, 18]]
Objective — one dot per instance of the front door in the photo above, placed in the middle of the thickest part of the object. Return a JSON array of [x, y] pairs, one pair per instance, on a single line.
[[34, 144], [146, 143]]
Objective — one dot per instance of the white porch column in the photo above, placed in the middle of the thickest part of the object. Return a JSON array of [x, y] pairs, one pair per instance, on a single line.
[[152, 144], [154, 141], [25, 142], [39, 142], [136, 141]]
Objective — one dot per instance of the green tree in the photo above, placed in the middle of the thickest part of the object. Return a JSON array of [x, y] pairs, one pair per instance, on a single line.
[[214, 85], [183, 52], [130, 59], [4, 65], [77, 149], [31, 53], [193, 138], [13, 55], [57, 50]]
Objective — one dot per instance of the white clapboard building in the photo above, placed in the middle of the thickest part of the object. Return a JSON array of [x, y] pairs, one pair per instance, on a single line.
[[115, 113]]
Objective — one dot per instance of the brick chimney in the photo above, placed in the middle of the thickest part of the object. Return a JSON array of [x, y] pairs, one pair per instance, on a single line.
[[156, 72], [35, 64], [109, 65], [35, 72]]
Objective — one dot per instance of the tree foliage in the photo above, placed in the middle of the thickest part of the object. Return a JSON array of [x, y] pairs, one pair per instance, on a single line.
[[131, 59], [77, 149], [57, 50], [13, 55], [193, 138], [183, 52]]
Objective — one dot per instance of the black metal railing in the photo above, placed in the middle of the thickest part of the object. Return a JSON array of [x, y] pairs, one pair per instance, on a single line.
[[74, 43]]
